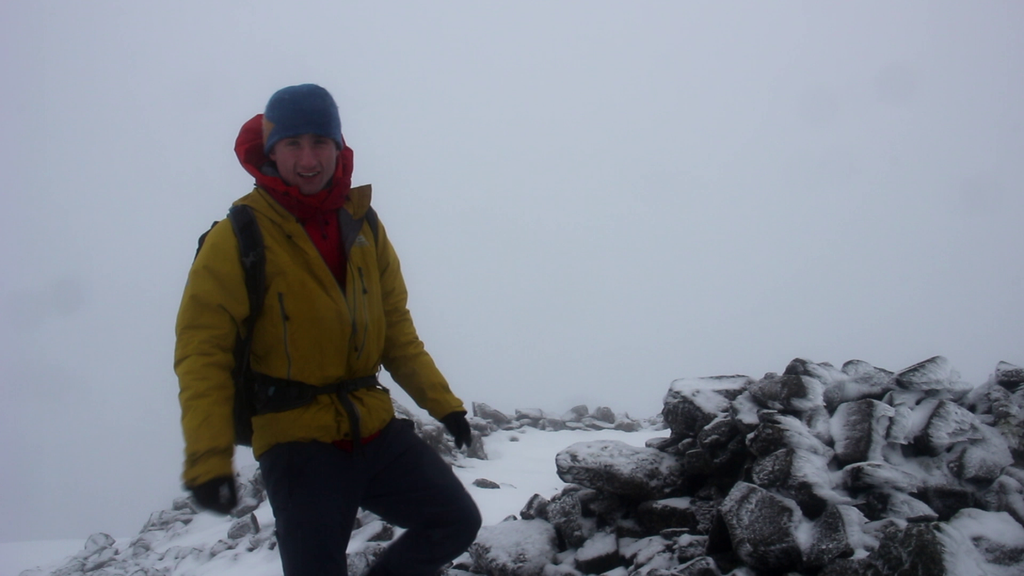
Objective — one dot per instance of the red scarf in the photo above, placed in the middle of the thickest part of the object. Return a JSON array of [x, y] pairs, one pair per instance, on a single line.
[[318, 213]]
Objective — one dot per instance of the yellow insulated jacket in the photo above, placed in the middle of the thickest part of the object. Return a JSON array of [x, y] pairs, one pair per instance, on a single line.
[[309, 330]]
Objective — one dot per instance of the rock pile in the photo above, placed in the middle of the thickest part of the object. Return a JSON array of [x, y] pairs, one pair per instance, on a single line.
[[488, 420], [819, 470], [154, 551]]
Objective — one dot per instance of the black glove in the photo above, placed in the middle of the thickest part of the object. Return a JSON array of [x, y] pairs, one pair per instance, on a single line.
[[217, 495], [458, 426]]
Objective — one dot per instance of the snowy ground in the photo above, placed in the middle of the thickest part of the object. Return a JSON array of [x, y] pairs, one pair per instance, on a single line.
[[522, 462], [18, 556]]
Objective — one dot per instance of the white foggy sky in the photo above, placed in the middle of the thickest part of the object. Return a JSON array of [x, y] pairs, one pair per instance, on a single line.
[[590, 199]]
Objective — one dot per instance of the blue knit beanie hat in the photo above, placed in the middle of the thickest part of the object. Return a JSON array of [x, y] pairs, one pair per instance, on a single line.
[[298, 110]]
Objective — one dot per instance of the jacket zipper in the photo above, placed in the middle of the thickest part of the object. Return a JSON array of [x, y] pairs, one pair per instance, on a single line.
[[353, 307], [366, 311]]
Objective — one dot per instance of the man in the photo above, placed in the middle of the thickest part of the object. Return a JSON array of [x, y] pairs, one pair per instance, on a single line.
[[334, 313]]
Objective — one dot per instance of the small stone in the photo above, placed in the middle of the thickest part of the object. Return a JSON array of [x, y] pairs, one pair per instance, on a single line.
[[243, 527]]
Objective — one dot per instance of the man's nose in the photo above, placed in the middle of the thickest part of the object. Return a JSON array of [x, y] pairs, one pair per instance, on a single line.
[[306, 156]]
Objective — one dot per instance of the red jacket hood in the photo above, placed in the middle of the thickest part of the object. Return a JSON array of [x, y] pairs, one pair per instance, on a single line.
[[249, 149]]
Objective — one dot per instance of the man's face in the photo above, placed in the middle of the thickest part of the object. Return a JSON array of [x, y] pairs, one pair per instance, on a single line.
[[306, 162]]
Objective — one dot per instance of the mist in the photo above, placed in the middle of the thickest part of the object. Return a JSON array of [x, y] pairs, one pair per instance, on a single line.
[[589, 199]]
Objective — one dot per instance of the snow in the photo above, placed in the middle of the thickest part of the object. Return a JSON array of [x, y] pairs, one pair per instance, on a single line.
[[951, 423], [963, 558], [746, 409], [527, 542], [813, 469], [900, 424], [679, 502], [935, 373], [854, 522], [644, 549], [997, 527], [18, 556], [522, 462], [804, 532], [800, 438], [814, 396], [600, 545]]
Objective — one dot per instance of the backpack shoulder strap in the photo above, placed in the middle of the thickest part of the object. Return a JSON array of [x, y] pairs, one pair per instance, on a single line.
[[374, 221], [253, 257], [202, 239], [351, 227]]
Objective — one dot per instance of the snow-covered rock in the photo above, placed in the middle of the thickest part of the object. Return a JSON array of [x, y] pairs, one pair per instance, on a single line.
[[693, 403], [762, 528], [514, 548], [611, 466]]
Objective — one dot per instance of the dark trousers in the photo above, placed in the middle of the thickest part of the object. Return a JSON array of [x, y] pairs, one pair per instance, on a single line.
[[316, 489]]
